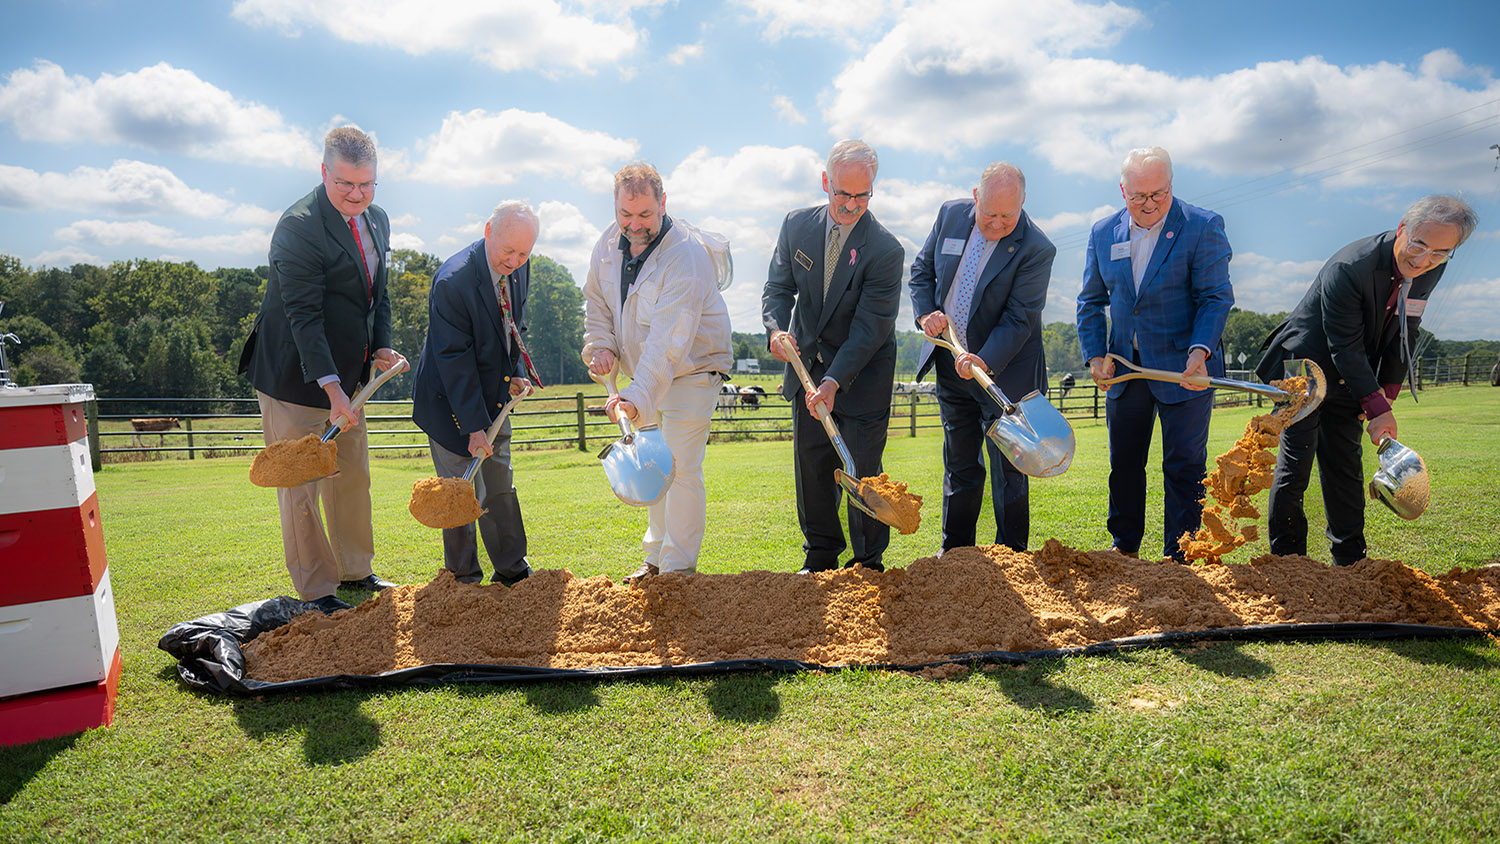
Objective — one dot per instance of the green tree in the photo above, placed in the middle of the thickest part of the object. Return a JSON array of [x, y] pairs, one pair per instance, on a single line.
[[163, 289], [237, 294], [1244, 332], [42, 356], [554, 323], [1061, 348]]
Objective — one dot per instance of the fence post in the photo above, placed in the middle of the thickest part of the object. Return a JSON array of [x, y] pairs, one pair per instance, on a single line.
[[91, 420], [912, 396], [583, 443], [187, 425], [1096, 401], [1467, 355]]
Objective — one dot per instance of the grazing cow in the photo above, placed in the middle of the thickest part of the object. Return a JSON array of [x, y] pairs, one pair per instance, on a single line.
[[1066, 383], [158, 426], [728, 398], [751, 394]]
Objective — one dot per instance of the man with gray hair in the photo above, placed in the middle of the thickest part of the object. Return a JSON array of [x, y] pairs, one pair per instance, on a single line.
[[1160, 268], [984, 269], [832, 290], [473, 361], [1358, 321], [324, 325]]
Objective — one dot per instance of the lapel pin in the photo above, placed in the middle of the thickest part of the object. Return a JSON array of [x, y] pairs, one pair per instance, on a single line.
[[1170, 235], [853, 254]]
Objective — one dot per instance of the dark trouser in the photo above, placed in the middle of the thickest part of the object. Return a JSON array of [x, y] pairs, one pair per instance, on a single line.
[[818, 494], [967, 412], [1331, 436], [501, 527], [1184, 435]]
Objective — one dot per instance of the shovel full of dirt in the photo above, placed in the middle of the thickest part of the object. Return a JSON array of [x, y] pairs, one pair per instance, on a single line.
[[286, 463], [878, 496], [1305, 401], [452, 502], [1031, 433], [1401, 481]]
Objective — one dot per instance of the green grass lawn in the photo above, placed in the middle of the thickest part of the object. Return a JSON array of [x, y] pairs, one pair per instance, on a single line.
[[1222, 742]]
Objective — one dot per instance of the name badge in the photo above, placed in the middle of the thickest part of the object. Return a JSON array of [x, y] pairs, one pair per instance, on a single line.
[[802, 259], [387, 257], [1415, 307], [1119, 251], [954, 245]]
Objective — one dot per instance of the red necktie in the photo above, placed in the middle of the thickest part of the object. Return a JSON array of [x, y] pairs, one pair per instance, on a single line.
[[359, 247]]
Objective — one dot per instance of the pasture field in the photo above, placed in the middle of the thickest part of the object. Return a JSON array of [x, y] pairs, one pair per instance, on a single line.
[[1223, 742]]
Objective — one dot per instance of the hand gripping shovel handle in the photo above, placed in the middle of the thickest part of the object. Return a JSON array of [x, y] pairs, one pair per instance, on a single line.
[[821, 409], [626, 430], [494, 430], [949, 341], [1201, 380], [364, 395]]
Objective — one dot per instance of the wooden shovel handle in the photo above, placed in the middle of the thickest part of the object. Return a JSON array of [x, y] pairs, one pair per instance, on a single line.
[[795, 360], [369, 389]]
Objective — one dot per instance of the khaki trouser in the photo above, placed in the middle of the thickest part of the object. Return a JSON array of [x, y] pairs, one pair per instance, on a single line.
[[674, 529], [317, 559]]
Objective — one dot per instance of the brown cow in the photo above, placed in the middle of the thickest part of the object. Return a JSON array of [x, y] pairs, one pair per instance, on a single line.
[[158, 425]]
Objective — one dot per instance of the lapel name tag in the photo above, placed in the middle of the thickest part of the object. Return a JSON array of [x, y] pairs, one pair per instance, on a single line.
[[802, 259], [1119, 251], [954, 245], [1415, 307]]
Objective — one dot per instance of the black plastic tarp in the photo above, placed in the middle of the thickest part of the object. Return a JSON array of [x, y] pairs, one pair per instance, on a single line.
[[209, 658]]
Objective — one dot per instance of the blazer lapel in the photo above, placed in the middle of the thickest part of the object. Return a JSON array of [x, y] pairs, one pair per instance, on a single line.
[[484, 290], [959, 227], [843, 271], [1121, 270], [1164, 243], [1004, 251]]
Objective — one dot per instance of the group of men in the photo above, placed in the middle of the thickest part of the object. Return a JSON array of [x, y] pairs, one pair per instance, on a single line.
[[1156, 293]]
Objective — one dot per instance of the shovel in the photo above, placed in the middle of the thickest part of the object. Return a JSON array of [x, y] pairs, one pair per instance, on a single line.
[[266, 460], [639, 465], [1401, 481], [1031, 433], [429, 499], [1317, 385], [847, 478]]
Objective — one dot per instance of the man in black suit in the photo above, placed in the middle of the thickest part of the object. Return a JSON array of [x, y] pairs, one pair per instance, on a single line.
[[985, 268], [472, 363], [325, 321], [1358, 322], [833, 288]]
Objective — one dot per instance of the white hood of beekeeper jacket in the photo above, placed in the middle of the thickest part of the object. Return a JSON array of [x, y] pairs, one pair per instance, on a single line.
[[674, 322]]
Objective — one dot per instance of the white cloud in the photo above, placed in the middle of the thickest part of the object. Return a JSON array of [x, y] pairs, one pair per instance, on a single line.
[[531, 35], [787, 110], [682, 55], [567, 237], [403, 221], [107, 233], [754, 179], [1064, 220], [126, 188], [484, 148], [1268, 285], [842, 20], [159, 108], [1463, 309], [1025, 75], [65, 257], [407, 240]]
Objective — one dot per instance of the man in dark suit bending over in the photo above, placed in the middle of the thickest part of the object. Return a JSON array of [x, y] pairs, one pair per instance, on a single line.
[[985, 269], [833, 288], [325, 322]]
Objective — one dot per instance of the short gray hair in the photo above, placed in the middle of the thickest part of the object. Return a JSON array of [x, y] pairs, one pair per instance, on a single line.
[[1142, 156], [999, 173], [1444, 210], [513, 209], [853, 151], [349, 145]]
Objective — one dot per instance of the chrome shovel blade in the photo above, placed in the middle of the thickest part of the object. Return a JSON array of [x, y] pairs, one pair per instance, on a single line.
[[639, 467], [1035, 437]]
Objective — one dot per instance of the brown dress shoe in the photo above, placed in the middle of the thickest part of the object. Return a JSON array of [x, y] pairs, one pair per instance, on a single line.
[[646, 570], [1134, 555]]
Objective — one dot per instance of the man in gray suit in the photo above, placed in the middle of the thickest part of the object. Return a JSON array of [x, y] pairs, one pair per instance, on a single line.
[[325, 321], [833, 288], [985, 268]]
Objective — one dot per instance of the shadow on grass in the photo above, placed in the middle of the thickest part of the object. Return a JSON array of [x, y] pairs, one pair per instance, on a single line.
[[1476, 654], [20, 764], [559, 698], [744, 697], [1027, 685], [1227, 659], [333, 728]]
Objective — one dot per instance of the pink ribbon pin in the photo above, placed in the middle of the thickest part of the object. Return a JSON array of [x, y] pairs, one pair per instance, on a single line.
[[853, 254]]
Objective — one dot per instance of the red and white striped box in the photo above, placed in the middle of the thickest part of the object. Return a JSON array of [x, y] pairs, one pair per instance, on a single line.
[[47, 644], [60, 712]]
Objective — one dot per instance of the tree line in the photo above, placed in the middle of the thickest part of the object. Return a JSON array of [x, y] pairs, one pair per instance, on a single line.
[[170, 329]]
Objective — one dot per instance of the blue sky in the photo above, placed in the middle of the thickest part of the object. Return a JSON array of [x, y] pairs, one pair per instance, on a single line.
[[181, 130]]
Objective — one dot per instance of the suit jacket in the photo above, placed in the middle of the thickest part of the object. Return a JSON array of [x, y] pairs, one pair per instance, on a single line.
[[1005, 314], [318, 317], [463, 377], [1340, 323], [849, 336], [1183, 300]]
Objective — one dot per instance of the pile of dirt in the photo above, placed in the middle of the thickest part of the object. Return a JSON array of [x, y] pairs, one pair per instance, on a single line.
[[444, 502], [968, 600], [287, 463]]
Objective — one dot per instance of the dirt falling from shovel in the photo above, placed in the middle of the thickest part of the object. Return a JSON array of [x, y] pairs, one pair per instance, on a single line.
[[968, 600]]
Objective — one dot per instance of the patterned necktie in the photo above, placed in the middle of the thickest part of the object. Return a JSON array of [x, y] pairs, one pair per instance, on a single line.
[[831, 259], [359, 246], [968, 279], [513, 331]]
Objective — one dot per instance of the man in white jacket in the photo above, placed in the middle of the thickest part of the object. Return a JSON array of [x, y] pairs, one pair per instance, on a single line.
[[652, 307]]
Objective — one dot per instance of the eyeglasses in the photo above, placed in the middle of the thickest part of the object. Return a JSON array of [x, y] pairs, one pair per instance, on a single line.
[[843, 197], [1418, 250], [365, 188], [1156, 198]]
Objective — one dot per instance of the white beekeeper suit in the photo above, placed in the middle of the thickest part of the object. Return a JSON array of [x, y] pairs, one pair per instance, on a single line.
[[672, 339]]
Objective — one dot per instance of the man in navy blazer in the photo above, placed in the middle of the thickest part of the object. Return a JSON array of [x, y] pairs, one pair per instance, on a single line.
[[1161, 268], [840, 315], [324, 323], [472, 364], [985, 268]]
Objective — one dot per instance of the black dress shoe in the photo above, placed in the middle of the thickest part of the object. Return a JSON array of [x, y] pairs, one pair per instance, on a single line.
[[373, 582], [328, 605], [511, 579], [872, 565]]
